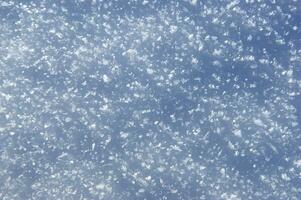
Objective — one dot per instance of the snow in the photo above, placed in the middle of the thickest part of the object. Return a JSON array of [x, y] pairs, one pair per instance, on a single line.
[[193, 2], [106, 79], [150, 100]]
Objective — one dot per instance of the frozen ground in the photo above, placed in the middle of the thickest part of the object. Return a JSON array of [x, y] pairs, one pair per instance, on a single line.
[[154, 100]]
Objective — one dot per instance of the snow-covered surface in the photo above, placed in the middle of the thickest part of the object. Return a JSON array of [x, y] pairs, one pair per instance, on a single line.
[[156, 100]]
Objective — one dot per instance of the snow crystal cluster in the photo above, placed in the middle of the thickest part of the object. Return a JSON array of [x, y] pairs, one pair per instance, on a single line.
[[149, 99]]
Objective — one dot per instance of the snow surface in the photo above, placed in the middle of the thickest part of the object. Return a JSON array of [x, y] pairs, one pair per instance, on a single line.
[[155, 100]]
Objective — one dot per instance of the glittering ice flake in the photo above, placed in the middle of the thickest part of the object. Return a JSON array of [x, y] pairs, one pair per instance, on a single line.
[[106, 79]]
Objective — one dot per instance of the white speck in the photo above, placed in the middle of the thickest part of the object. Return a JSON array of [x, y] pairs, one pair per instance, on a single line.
[[130, 53], [161, 169], [297, 163], [100, 186], [258, 122], [193, 2], [202, 167], [173, 29], [223, 171], [64, 154], [194, 61], [149, 71], [106, 79], [141, 190], [124, 135], [217, 52], [68, 119], [173, 191], [201, 46], [145, 2], [237, 133], [5, 4], [231, 146], [285, 177], [290, 73], [232, 4]]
